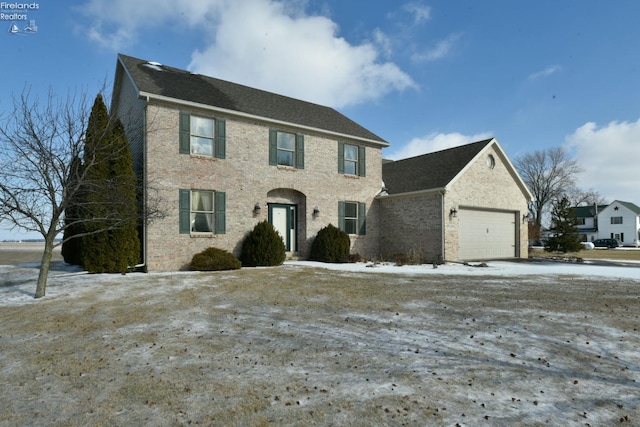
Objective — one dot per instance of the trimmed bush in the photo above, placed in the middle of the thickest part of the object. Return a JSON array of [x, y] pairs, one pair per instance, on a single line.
[[263, 246], [214, 259], [330, 245]]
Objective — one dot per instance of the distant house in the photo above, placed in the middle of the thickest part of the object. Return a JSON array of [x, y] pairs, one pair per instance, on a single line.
[[619, 220], [223, 157], [464, 203], [587, 221]]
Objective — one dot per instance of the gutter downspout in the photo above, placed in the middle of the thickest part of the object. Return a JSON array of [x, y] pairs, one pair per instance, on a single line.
[[143, 264], [442, 241]]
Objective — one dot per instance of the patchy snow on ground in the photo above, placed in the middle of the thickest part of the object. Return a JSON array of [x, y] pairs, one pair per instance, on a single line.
[[492, 268], [512, 343], [17, 282]]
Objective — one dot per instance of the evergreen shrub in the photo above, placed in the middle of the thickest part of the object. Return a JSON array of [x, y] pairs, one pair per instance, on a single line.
[[330, 245], [263, 246], [214, 259]]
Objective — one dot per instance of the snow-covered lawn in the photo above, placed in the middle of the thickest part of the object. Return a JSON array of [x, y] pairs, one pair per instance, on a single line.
[[514, 343]]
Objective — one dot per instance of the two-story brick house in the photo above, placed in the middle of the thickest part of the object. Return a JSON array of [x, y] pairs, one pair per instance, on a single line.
[[223, 156]]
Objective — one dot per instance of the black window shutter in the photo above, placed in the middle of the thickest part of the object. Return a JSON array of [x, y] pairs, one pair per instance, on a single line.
[[341, 215], [362, 163], [362, 218], [340, 157], [221, 219], [184, 207], [185, 133], [300, 151], [221, 144], [273, 147]]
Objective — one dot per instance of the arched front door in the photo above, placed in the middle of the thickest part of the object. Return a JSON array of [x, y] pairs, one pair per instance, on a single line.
[[284, 219]]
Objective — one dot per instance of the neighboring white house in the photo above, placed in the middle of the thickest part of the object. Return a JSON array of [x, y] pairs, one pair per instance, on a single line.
[[587, 218], [619, 220]]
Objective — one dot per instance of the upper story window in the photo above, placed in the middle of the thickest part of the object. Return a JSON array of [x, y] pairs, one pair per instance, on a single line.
[[202, 142], [580, 221], [351, 159], [616, 220], [286, 149], [286, 146], [202, 136]]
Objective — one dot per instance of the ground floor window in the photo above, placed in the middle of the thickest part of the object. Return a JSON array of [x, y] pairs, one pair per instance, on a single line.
[[352, 217], [202, 212]]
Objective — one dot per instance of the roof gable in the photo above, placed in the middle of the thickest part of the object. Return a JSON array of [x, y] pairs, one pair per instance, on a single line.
[[632, 207], [438, 170], [429, 171], [180, 86]]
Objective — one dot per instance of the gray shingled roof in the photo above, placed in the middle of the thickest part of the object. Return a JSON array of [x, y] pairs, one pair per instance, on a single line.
[[587, 211], [631, 206], [429, 171], [185, 86]]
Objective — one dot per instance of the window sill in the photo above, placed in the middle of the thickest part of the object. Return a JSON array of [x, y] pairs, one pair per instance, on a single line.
[[202, 235], [287, 168], [349, 176], [202, 156]]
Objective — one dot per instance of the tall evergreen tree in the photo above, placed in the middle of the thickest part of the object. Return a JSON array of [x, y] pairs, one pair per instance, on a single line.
[[565, 236], [124, 239], [95, 248], [111, 244]]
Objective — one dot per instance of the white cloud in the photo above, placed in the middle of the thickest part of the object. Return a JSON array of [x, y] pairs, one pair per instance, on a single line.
[[610, 158], [435, 142], [420, 12], [117, 24], [440, 50], [267, 44], [550, 70]]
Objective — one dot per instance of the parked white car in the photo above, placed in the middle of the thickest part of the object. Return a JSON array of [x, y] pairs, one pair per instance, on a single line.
[[587, 245]]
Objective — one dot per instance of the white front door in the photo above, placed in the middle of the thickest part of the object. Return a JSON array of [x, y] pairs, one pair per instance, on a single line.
[[283, 219]]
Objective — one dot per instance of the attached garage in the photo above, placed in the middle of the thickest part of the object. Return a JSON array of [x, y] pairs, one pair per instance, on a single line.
[[464, 203], [487, 234]]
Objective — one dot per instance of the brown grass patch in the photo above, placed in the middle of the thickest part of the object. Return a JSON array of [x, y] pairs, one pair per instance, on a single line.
[[305, 346], [595, 254]]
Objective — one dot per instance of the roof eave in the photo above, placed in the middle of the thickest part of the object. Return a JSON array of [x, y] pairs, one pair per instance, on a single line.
[[166, 99], [441, 190]]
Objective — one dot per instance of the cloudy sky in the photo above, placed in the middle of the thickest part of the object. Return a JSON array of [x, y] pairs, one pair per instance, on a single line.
[[423, 75]]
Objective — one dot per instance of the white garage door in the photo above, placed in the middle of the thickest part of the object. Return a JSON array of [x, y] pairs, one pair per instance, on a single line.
[[486, 234]]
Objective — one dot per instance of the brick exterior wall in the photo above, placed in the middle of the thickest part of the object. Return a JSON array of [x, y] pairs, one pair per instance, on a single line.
[[247, 178], [411, 224], [493, 189], [421, 221]]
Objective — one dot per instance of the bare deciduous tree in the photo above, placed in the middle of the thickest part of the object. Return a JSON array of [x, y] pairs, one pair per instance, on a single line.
[[590, 197], [40, 143], [549, 174]]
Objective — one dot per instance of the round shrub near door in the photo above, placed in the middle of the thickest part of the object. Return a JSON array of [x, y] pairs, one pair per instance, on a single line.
[[214, 259], [330, 245], [263, 246]]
